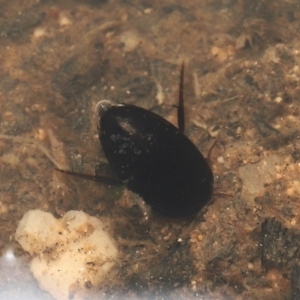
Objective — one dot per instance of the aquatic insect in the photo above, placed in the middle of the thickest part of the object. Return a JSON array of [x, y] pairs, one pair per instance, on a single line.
[[154, 159]]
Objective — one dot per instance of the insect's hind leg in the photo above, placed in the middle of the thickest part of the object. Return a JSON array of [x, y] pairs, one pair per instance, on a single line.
[[180, 107]]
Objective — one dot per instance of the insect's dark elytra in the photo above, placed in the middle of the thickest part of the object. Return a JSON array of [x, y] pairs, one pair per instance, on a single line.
[[155, 160]]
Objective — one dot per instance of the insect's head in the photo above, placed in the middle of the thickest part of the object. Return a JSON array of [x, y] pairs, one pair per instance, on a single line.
[[103, 106]]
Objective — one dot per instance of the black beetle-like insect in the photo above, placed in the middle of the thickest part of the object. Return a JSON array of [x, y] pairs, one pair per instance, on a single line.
[[154, 159]]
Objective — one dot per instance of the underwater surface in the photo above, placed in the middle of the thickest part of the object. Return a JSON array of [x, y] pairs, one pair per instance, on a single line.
[[242, 71]]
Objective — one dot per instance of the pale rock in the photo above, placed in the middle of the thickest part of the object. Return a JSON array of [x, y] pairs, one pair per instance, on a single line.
[[73, 255]]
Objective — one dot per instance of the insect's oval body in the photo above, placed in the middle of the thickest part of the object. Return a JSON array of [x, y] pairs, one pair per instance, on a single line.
[[155, 160]]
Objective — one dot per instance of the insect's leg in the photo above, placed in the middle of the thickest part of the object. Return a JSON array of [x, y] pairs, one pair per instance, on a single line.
[[208, 158], [99, 178], [180, 108]]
